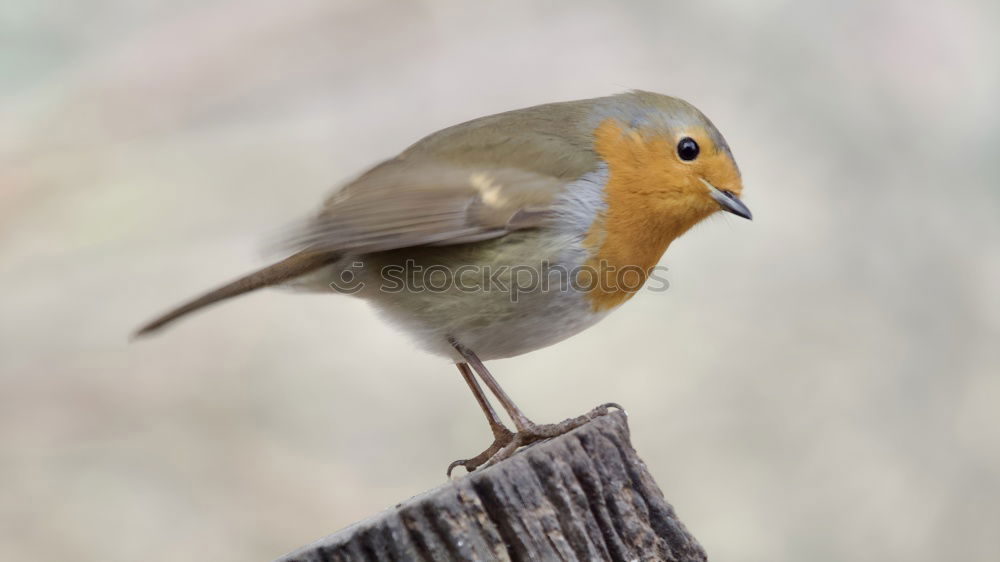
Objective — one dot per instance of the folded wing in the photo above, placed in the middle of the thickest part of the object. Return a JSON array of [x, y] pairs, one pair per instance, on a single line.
[[400, 204]]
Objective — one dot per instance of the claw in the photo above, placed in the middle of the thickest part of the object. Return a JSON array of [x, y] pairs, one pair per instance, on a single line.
[[464, 463], [501, 441], [505, 445]]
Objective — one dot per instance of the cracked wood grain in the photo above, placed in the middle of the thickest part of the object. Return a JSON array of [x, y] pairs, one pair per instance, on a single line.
[[585, 495]]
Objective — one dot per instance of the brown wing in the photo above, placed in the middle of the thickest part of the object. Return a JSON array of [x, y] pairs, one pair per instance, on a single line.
[[474, 181], [401, 204]]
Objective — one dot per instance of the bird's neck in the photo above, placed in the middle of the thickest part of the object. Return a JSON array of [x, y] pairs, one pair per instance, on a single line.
[[631, 235]]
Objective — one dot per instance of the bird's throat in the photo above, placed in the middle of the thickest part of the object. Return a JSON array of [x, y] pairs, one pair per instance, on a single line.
[[630, 236]]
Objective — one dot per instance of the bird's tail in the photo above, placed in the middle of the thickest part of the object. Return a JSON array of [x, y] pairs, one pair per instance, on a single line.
[[274, 274]]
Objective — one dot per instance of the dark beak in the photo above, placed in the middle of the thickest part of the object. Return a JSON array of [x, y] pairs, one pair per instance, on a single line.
[[729, 202]]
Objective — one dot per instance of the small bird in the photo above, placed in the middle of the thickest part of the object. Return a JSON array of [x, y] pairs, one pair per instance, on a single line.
[[512, 232]]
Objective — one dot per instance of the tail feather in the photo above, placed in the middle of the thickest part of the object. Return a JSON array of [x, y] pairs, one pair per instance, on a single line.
[[274, 274]]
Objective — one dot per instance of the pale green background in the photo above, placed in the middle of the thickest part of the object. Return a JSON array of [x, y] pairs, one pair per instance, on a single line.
[[820, 384]]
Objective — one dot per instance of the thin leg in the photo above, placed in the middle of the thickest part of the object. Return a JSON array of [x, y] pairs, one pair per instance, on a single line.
[[521, 422], [497, 426], [501, 435], [527, 431]]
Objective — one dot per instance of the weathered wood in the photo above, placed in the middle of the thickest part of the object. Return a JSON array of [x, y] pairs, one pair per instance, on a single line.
[[582, 496]]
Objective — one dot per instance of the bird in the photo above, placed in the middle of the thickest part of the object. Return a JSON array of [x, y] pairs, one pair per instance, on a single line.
[[584, 197]]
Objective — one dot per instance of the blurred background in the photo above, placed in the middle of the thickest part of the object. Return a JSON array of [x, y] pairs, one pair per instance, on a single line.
[[819, 384]]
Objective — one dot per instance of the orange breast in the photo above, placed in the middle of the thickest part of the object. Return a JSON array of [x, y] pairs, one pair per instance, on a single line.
[[647, 208]]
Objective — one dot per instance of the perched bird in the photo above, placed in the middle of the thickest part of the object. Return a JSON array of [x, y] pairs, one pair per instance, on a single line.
[[583, 197]]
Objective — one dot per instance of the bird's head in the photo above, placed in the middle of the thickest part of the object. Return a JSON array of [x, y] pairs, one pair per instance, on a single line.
[[666, 152]]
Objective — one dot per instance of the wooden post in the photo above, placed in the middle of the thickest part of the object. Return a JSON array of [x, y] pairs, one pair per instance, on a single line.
[[583, 496]]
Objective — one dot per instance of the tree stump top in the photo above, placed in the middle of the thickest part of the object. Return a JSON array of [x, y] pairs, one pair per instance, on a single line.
[[585, 495]]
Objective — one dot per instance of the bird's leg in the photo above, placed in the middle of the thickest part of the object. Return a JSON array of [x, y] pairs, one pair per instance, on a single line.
[[527, 431], [501, 435], [521, 421], [497, 426]]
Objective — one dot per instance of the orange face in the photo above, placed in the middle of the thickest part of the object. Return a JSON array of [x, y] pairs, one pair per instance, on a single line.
[[674, 171], [659, 185]]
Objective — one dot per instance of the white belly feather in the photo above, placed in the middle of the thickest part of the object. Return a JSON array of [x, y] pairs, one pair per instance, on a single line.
[[491, 319]]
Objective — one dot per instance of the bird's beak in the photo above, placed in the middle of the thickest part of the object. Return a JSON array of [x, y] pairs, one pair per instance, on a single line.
[[729, 202]]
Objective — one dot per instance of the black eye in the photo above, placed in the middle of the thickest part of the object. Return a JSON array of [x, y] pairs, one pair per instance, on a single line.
[[687, 149]]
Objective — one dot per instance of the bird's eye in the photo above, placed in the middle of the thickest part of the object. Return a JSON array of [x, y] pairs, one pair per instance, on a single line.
[[687, 149]]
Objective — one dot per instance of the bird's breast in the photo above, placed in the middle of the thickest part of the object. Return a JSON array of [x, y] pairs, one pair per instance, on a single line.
[[630, 234]]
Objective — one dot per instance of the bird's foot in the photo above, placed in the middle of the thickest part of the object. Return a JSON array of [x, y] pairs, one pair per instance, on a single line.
[[502, 438], [534, 432], [506, 445]]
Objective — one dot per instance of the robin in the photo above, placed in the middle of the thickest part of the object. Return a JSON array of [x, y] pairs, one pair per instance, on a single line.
[[511, 232]]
